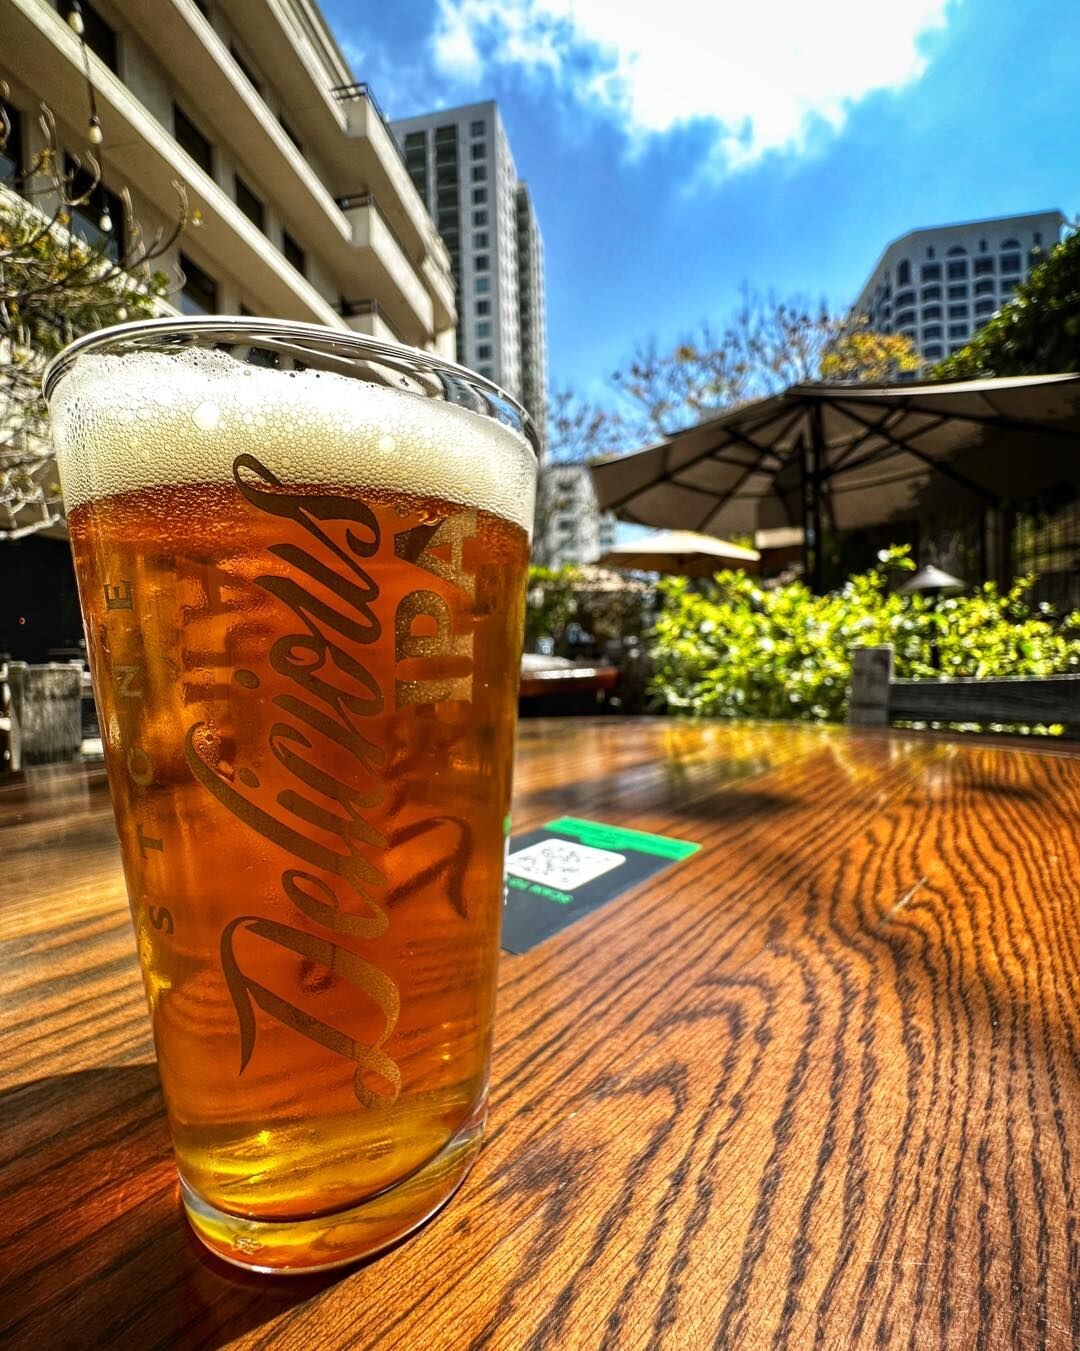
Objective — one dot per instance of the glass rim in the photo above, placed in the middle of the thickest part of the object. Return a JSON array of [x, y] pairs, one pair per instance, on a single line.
[[480, 394]]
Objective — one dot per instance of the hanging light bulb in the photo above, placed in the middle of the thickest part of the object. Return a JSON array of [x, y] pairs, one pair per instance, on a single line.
[[121, 312], [105, 221], [75, 19], [94, 135]]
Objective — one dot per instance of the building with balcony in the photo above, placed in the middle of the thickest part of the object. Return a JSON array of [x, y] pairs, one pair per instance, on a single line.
[[460, 162], [305, 209], [939, 286]]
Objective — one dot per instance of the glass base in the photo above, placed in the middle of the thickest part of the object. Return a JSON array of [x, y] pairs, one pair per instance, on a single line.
[[300, 1247]]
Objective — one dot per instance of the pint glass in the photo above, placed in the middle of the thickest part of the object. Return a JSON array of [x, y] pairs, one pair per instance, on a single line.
[[301, 559]]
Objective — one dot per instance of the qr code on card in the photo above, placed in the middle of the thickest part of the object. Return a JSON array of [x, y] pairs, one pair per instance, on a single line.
[[563, 864]]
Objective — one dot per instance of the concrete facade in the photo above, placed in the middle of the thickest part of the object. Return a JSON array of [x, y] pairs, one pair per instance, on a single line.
[[569, 527], [939, 286], [460, 162], [305, 210]]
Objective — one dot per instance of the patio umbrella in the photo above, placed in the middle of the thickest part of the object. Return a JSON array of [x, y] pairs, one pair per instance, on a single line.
[[680, 553], [849, 457]]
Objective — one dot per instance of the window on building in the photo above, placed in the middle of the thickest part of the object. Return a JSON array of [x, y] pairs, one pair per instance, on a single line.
[[930, 272], [929, 250], [294, 254], [249, 204], [956, 268], [1010, 243], [984, 308], [482, 262], [482, 285], [11, 149], [476, 128], [933, 352], [246, 69], [479, 217], [982, 245], [415, 140], [99, 36], [906, 317], [97, 215], [479, 173], [479, 196], [931, 331], [957, 251], [483, 307], [903, 272], [931, 293], [958, 311], [190, 138], [199, 294], [483, 329], [1010, 262], [931, 312], [905, 298], [982, 266], [446, 198], [478, 150], [291, 132], [984, 286], [483, 352], [446, 135], [485, 371], [1006, 291], [480, 239], [958, 331], [959, 291]]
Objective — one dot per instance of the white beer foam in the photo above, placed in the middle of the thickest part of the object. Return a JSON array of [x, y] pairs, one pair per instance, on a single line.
[[147, 420]]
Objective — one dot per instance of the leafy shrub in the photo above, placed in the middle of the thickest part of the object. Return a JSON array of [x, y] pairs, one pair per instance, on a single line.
[[607, 606], [737, 650]]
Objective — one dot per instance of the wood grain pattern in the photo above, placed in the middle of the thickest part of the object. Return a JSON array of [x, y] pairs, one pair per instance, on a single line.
[[817, 1086]]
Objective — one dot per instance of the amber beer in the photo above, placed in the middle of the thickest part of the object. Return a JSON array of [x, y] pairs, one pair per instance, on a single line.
[[303, 603]]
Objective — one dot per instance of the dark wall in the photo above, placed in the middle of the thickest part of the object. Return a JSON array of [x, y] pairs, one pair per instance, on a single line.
[[39, 606]]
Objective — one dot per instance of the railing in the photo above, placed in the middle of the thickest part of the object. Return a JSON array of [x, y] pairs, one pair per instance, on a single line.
[[352, 93], [357, 199], [349, 308]]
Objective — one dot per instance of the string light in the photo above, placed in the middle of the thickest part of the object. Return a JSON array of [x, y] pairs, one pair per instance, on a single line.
[[94, 135], [75, 18], [105, 221]]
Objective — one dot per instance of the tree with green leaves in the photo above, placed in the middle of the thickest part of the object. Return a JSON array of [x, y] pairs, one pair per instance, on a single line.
[[1037, 332], [54, 286]]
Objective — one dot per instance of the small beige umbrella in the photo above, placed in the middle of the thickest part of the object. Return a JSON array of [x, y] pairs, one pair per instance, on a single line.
[[682, 553]]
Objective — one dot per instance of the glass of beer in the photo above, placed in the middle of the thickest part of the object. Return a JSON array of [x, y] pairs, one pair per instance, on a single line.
[[301, 558]]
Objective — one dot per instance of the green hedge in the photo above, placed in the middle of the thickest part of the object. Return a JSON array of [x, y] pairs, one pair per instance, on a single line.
[[737, 650]]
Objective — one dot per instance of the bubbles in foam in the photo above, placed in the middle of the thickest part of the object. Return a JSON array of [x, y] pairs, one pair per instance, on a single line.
[[145, 420]]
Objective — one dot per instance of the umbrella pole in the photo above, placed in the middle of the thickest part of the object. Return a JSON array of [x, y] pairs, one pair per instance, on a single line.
[[811, 447]]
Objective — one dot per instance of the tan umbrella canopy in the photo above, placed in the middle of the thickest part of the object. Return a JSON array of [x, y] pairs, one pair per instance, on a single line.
[[843, 456], [681, 553]]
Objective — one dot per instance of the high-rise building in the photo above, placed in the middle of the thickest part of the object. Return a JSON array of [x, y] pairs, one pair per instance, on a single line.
[[304, 208], [532, 310], [570, 528], [939, 286], [459, 160]]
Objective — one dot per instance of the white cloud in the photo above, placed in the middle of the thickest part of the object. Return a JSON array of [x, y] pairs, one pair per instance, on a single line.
[[765, 74]]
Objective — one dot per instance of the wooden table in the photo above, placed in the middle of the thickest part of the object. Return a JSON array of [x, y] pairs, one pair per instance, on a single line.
[[818, 1085]]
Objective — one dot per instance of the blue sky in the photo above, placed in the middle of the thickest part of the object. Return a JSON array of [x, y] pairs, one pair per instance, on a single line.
[[677, 151]]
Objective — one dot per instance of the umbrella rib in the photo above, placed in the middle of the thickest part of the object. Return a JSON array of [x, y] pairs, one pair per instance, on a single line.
[[880, 430], [999, 421], [940, 465]]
